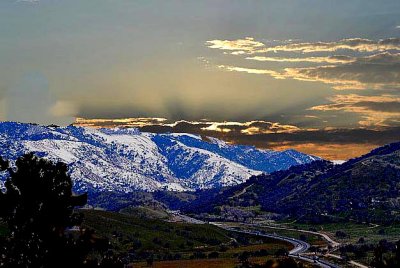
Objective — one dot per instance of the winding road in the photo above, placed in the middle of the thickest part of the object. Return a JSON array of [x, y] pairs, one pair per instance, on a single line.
[[300, 247]]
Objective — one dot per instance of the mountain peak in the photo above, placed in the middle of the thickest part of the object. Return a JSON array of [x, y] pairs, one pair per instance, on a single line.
[[125, 159]]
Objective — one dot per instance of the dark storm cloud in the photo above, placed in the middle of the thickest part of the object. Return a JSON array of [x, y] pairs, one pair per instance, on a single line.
[[325, 136], [329, 143], [164, 125], [179, 127], [237, 133]]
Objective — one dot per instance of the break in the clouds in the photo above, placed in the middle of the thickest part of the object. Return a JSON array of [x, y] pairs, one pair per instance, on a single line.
[[123, 122], [250, 128]]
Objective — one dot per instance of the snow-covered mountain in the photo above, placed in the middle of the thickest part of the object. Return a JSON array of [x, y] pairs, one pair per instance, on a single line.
[[124, 160]]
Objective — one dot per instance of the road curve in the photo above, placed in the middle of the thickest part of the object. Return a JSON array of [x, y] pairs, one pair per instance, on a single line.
[[300, 247], [330, 241]]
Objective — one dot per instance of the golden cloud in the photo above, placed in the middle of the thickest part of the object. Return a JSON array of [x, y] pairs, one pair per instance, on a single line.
[[248, 128], [250, 46], [274, 74], [330, 59], [376, 111], [121, 122], [371, 72], [240, 46], [252, 127], [355, 44]]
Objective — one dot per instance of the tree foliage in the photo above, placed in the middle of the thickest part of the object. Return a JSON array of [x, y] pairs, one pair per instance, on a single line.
[[38, 206]]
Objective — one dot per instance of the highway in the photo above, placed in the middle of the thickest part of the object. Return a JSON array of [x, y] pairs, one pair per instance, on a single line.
[[300, 247], [330, 241]]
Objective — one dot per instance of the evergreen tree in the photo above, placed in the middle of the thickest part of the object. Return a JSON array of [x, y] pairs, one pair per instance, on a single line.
[[38, 205]]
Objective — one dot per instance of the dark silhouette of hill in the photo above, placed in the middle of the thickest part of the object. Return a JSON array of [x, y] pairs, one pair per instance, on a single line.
[[364, 189]]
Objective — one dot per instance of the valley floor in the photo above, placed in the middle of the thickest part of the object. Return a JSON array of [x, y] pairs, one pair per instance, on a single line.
[[160, 243]]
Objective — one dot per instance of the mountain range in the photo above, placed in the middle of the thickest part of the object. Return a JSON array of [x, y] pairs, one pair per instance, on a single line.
[[123, 167], [365, 189], [124, 160]]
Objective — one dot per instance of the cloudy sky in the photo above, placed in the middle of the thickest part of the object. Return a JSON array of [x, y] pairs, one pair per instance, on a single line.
[[320, 76]]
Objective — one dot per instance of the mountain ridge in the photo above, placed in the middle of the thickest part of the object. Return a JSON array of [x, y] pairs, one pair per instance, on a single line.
[[366, 188], [126, 160]]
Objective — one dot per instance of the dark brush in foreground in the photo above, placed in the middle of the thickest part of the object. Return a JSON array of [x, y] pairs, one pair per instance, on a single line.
[[38, 207]]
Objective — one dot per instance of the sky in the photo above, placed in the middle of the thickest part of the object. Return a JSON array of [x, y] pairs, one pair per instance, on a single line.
[[319, 76]]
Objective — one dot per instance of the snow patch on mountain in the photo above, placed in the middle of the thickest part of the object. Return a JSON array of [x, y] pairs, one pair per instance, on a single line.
[[125, 159]]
